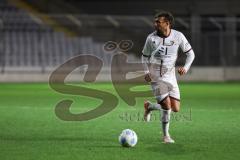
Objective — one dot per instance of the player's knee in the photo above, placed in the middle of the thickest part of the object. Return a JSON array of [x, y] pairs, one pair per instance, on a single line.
[[166, 103], [175, 105], [175, 109], [165, 106]]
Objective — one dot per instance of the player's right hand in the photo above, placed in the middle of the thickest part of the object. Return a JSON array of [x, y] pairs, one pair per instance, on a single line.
[[147, 77], [182, 71]]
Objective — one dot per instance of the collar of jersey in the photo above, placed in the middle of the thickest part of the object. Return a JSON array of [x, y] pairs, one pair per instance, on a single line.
[[162, 36]]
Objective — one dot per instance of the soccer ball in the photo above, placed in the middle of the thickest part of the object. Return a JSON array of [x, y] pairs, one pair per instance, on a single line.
[[128, 138]]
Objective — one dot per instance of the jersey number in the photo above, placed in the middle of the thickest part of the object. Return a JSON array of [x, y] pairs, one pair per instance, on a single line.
[[162, 51]]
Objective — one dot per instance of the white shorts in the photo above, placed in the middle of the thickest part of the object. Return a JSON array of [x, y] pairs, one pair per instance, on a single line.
[[162, 90], [165, 85]]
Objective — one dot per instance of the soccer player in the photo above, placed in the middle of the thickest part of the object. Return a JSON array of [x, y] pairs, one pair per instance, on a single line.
[[159, 56]]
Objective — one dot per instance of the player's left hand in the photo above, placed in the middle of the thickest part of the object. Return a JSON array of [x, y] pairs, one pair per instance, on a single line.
[[182, 71]]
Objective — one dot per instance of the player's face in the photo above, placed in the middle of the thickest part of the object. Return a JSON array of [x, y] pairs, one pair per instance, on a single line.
[[161, 24]]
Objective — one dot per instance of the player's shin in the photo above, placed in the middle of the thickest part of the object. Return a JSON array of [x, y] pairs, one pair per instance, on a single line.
[[165, 118]]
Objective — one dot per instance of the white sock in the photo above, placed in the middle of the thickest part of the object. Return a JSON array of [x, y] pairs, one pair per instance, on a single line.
[[154, 106], [165, 117]]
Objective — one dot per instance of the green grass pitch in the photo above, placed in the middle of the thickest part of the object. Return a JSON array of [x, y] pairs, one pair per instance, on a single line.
[[207, 127]]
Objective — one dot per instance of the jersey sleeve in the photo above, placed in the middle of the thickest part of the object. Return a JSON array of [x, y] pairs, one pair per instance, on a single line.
[[147, 49], [187, 49], [184, 44]]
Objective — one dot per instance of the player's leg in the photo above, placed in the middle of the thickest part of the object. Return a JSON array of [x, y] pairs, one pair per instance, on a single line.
[[148, 106], [165, 119], [155, 86], [175, 104], [174, 95], [161, 93]]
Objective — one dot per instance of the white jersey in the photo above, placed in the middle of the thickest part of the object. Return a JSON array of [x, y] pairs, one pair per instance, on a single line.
[[164, 50], [162, 53]]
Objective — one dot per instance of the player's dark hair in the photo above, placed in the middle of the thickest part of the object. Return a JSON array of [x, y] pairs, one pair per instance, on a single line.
[[167, 16]]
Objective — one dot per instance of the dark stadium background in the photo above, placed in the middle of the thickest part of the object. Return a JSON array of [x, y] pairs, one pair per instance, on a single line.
[[39, 35]]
